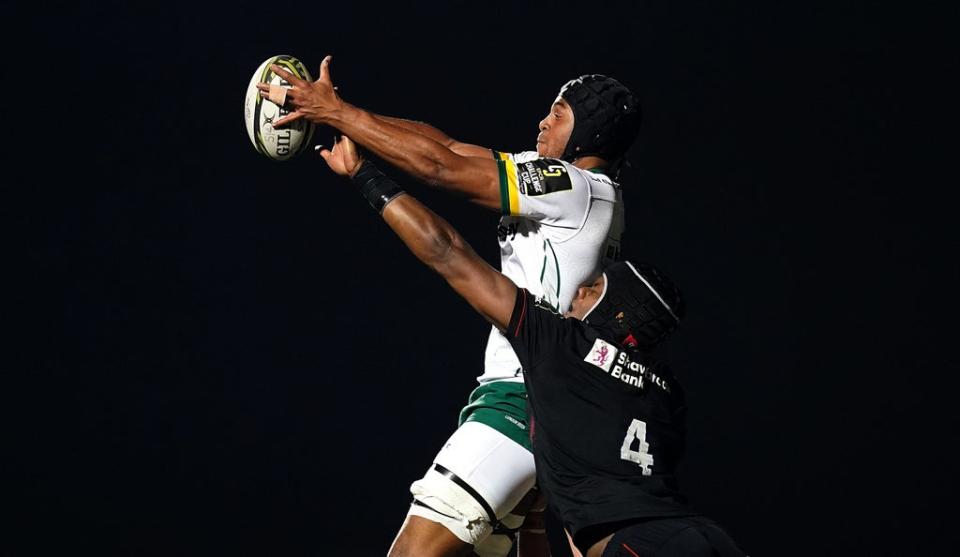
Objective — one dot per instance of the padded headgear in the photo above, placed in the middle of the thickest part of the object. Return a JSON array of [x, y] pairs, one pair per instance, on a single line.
[[606, 117], [639, 305]]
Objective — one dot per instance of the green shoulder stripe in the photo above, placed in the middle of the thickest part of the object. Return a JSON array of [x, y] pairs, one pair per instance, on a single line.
[[504, 188]]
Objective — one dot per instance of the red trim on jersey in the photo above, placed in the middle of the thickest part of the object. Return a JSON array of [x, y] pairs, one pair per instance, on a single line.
[[632, 552], [523, 312]]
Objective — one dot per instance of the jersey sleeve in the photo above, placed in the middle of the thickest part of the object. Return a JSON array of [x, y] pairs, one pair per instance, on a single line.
[[546, 190], [534, 329]]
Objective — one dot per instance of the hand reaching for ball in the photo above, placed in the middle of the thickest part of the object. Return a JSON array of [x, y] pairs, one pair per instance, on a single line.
[[343, 159], [313, 100]]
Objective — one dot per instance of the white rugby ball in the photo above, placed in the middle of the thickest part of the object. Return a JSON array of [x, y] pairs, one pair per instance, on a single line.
[[285, 142]]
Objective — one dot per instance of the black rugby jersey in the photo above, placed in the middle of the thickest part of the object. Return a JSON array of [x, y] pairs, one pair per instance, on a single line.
[[607, 423]]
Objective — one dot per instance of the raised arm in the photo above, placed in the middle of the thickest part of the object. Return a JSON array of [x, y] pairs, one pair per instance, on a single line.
[[429, 237], [474, 177], [477, 178], [423, 128], [440, 247]]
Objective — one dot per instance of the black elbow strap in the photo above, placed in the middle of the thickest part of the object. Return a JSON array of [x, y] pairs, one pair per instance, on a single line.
[[376, 186]]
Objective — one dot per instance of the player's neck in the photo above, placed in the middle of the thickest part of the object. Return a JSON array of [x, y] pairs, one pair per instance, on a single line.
[[590, 162]]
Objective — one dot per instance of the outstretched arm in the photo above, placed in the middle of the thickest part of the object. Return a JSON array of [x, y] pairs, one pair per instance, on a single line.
[[423, 128], [429, 237], [440, 247], [478, 178]]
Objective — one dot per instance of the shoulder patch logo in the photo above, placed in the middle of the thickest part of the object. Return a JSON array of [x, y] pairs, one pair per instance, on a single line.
[[601, 355], [542, 176]]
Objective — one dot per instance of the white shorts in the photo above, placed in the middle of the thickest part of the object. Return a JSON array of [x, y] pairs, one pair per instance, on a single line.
[[490, 474]]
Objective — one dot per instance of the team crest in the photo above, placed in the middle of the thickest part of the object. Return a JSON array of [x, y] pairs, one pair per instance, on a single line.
[[601, 355]]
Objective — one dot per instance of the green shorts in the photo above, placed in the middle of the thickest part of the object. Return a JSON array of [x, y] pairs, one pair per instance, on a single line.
[[501, 405]]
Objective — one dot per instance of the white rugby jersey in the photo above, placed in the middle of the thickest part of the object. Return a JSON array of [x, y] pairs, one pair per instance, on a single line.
[[561, 227]]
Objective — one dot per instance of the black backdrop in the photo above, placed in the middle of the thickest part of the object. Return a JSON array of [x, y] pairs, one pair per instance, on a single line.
[[225, 355]]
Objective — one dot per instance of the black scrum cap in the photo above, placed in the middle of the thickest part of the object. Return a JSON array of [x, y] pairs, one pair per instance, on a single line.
[[606, 117], [639, 305]]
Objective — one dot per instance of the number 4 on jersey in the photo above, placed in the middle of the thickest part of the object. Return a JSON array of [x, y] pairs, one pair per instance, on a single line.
[[637, 431]]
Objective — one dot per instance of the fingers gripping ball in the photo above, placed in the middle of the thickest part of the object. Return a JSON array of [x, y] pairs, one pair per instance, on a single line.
[[288, 141]]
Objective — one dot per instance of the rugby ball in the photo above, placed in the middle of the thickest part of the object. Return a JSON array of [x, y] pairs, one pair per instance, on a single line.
[[259, 113]]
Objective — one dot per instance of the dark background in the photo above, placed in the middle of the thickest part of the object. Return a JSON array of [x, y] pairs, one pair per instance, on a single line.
[[229, 356]]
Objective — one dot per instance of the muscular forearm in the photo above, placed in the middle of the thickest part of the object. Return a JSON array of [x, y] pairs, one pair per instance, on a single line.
[[431, 239], [420, 127], [458, 147], [412, 152], [437, 244]]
